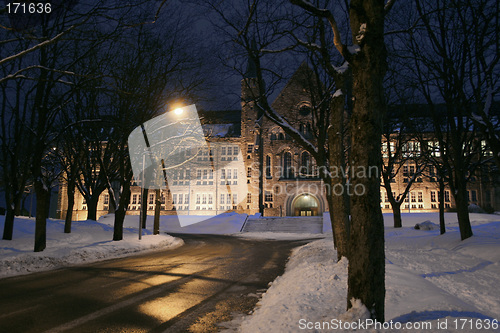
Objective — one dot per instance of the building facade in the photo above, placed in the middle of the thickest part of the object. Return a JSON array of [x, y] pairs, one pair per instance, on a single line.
[[268, 172]]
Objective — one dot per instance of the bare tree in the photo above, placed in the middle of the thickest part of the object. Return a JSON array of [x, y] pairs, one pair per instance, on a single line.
[[453, 83], [400, 148], [364, 56]]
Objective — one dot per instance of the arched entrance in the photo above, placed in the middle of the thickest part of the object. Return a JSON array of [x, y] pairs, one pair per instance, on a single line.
[[305, 205]]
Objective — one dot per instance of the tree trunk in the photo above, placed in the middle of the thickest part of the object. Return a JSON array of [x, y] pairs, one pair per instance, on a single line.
[[396, 211], [156, 223], [69, 211], [8, 227], [121, 211], [118, 223], [442, 228], [366, 275], [92, 207], [13, 208], [461, 202], [144, 207], [339, 206], [42, 212]]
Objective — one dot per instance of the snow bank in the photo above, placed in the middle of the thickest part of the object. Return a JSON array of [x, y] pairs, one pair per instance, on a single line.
[[313, 287], [427, 225], [89, 241]]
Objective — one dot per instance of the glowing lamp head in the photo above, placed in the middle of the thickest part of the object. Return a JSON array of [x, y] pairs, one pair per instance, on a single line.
[[178, 111]]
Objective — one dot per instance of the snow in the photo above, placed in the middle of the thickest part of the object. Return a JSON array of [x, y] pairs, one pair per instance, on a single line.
[[354, 49], [342, 69], [427, 225], [89, 241], [337, 93], [430, 278]]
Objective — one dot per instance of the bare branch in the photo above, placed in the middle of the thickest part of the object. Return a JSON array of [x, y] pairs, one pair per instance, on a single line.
[[389, 5], [38, 46], [325, 13]]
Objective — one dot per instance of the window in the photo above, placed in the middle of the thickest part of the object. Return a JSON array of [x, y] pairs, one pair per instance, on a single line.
[[249, 172], [222, 196], [229, 153], [433, 196], [474, 195], [268, 196], [385, 148], [305, 110], [106, 199], [412, 170], [411, 148], [250, 149], [405, 170], [386, 197], [198, 199], [174, 199], [385, 152], [268, 167], [484, 148], [413, 197], [433, 147], [305, 165], [287, 165], [447, 196], [151, 198], [186, 198], [420, 197], [203, 154], [249, 198], [134, 199]]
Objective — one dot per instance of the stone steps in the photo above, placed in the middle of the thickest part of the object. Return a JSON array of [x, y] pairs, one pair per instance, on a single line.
[[313, 225]]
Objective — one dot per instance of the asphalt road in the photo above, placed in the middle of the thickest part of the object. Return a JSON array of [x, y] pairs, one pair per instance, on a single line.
[[189, 289]]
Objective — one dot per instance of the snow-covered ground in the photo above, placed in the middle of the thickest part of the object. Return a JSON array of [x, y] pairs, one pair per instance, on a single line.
[[440, 281], [91, 241], [430, 279]]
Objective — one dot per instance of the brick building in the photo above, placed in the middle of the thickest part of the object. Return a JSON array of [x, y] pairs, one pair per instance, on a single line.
[[277, 175]]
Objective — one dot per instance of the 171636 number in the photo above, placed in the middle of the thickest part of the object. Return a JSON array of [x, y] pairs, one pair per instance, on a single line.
[[31, 8]]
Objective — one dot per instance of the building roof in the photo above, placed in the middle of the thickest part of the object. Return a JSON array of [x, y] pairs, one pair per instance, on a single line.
[[221, 124]]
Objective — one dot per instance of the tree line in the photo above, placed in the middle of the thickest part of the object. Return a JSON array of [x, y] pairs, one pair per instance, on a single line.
[[74, 84]]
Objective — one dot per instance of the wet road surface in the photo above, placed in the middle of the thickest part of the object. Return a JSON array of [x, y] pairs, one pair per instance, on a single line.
[[189, 289]]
